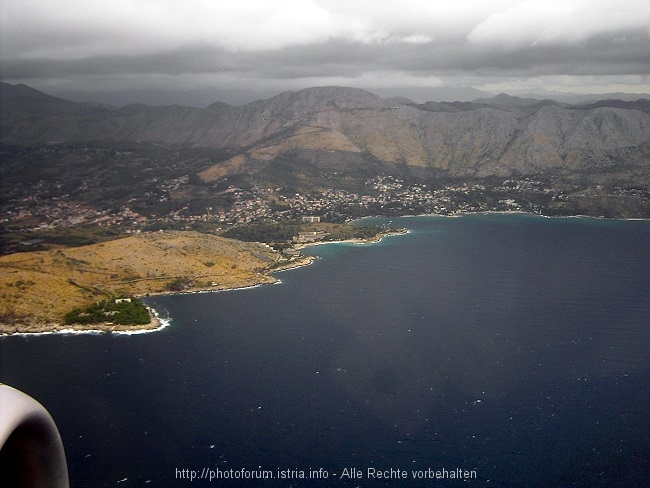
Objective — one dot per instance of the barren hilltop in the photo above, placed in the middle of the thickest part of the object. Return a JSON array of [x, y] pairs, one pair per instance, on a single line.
[[37, 289]]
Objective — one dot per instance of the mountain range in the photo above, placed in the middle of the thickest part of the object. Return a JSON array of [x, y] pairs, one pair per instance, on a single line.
[[70, 162], [500, 136]]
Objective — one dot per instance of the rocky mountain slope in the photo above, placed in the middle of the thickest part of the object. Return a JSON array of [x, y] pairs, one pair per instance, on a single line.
[[504, 136]]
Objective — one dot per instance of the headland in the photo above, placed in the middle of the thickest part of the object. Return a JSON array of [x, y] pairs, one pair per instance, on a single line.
[[37, 289]]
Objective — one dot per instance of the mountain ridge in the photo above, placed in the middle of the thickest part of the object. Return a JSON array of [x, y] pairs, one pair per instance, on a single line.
[[501, 136]]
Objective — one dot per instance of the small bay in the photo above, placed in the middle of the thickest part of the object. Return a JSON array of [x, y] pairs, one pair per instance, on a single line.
[[511, 345]]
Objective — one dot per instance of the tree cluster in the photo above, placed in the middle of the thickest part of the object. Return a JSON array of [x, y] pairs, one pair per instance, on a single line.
[[121, 312]]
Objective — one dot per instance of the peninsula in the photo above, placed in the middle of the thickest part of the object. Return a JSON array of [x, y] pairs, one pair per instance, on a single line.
[[38, 289]]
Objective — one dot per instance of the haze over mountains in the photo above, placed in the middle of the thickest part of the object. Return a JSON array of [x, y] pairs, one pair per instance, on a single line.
[[499, 136]]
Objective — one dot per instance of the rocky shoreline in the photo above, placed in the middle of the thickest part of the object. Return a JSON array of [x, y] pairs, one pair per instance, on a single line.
[[156, 323], [53, 328]]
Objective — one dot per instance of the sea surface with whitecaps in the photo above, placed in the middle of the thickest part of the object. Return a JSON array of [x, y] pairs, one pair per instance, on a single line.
[[511, 347]]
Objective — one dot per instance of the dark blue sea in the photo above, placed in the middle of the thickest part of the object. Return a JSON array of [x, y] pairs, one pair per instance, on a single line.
[[511, 348]]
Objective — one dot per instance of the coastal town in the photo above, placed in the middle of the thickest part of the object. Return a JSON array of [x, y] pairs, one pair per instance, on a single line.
[[384, 195], [152, 191]]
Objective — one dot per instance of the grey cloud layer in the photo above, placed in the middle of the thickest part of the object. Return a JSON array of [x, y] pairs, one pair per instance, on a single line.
[[239, 45], [623, 53]]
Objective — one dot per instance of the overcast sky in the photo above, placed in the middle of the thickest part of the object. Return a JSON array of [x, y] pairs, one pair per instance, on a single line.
[[198, 51]]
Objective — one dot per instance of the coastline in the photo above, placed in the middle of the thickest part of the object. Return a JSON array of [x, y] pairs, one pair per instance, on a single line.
[[156, 323], [262, 278], [521, 212], [373, 240]]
